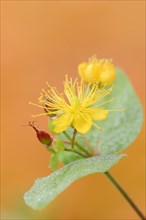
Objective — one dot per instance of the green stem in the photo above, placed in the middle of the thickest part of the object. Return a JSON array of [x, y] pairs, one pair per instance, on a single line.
[[126, 196], [109, 176], [67, 135], [73, 139], [77, 144], [75, 152], [82, 149]]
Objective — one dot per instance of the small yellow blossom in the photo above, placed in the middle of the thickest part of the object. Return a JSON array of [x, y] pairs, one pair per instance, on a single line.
[[77, 107], [100, 71]]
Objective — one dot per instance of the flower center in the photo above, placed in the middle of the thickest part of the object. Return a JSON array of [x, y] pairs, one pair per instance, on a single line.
[[75, 105]]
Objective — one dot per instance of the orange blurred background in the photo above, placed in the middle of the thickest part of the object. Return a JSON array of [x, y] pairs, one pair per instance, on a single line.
[[41, 41]]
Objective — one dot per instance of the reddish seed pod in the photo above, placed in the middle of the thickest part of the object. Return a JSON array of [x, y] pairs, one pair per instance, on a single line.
[[42, 136]]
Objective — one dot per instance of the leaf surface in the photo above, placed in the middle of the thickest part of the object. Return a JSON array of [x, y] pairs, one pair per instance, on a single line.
[[48, 188], [120, 129]]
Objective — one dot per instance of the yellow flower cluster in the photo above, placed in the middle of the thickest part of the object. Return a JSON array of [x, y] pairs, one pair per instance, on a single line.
[[99, 71], [79, 104]]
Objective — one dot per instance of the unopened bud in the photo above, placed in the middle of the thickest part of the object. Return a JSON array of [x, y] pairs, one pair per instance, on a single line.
[[97, 71], [43, 136]]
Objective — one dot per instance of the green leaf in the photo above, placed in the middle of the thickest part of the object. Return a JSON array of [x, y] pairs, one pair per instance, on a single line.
[[51, 150], [48, 188], [54, 162], [120, 129], [68, 157], [59, 145]]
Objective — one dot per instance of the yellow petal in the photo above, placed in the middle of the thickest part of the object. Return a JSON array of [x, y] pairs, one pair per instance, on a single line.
[[82, 123], [97, 113], [62, 123]]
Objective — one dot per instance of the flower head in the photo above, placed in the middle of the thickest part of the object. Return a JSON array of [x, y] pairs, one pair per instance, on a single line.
[[77, 107], [99, 71]]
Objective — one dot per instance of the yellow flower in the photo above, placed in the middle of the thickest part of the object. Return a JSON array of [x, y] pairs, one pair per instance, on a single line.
[[99, 71], [77, 106]]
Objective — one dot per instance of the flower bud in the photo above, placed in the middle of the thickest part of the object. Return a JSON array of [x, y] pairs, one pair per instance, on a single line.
[[43, 136], [97, 71]]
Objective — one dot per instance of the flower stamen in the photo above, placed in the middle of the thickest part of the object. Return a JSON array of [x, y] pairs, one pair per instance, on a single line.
[[77, 106]]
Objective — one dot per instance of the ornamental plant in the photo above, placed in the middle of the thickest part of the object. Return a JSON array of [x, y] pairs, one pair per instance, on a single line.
[[94, 118]]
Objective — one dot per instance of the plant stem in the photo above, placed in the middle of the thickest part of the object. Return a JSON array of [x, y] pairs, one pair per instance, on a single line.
[[82, 149], [73, 139], [75, 152], [109, 176], [78, 145], [126, 196]]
